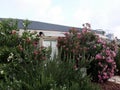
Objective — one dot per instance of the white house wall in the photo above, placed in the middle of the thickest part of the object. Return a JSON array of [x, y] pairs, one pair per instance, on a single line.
[[53, 45], [46, 33]]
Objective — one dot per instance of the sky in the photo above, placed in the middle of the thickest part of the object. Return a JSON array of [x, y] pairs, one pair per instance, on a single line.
[[101, 14]]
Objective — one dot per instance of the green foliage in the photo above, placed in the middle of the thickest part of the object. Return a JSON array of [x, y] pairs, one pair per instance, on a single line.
[[118, 60], [24, 48], [26, 24], [26, 66], [7, 25], [67, 77], [55, 75], [8, 32]]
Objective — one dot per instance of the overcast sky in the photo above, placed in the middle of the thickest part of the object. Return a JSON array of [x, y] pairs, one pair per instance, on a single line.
[[101, 14]]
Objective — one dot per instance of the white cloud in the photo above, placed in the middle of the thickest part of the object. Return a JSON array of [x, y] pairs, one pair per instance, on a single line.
[[113, 17], [98, 20], [55, 15], [34, 7], [39, 10], [83, 15]]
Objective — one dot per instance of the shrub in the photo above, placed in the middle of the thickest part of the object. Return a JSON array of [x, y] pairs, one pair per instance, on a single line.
[[8, 32], [66, 76], [18, 55], [47, 75], [75, 44], [25, 48], [118, 60], [104, 66]]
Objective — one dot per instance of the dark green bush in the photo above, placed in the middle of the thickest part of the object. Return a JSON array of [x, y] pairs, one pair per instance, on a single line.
[[118, 60]]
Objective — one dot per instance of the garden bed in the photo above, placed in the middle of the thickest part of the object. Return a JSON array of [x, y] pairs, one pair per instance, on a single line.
[[110, 86]]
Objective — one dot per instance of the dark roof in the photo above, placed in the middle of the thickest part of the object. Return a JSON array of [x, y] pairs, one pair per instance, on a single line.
[[35, 25]]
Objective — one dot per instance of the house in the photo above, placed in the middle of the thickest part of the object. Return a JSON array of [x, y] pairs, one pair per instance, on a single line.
[[51, 31]]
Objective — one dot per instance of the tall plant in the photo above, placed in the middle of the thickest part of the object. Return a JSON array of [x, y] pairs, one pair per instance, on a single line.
[[18, 53], [75, 44]]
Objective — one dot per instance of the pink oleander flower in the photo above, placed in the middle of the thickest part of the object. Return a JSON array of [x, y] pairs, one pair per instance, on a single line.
[[63, 46], [58, 45], [66, 49], [99, 76], [84, 30], [99, 72], [115, 66], [66, 34], [112, 71], [73, 30], [43, 58], [105, 77], [35, 52], [104, 73], [100, 64], [108, 48], [104, 46], [78, 36], [111, 74], [28, 40], [59, 39], [99, 40], [113, 54], [109, 60], [108, 53], [88, 25], [35, 43], [97, 36], [20, 48], [104, 69], [114, 63], [94, 46], [103, 57], [103, 42], [73, 50], [98, 56], [13, 32]]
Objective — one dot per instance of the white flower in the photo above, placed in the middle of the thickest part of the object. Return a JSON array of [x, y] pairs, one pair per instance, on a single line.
[[2, 33], [34, 36], [45, 65], [10, 57], [2, 72]]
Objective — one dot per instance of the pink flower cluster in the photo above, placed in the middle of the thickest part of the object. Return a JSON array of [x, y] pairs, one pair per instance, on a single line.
[[106, 64], [76, 43]]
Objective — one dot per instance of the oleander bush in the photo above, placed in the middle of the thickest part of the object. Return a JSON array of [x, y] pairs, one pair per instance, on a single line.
[[103, 53], [23, 48], [17, 53]]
